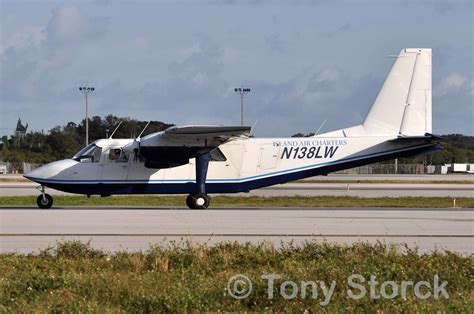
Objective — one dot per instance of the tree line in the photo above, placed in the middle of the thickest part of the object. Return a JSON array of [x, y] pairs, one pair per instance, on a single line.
[[64, 141], [458, 149]]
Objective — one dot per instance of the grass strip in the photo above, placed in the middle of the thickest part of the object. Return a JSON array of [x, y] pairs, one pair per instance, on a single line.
[[73, 277], [247, 201], [14, 180]]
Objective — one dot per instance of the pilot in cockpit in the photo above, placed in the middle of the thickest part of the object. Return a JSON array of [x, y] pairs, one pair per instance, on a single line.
[[114, 154]]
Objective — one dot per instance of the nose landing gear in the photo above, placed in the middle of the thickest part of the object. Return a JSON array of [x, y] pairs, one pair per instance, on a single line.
[[44, 200]]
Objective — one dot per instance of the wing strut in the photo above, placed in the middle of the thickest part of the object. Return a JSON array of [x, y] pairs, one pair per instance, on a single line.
[[199, 199], [202, 164]]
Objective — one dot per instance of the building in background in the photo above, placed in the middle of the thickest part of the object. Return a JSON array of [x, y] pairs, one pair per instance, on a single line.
[[20, 132]]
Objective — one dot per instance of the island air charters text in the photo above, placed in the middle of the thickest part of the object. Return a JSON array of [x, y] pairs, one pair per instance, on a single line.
[[309, 149]]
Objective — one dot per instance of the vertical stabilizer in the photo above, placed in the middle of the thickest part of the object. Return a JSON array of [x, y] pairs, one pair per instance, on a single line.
[[403, 105]]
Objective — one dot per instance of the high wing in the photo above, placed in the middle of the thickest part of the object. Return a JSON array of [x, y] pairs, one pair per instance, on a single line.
[[215, 135], [176, 145]]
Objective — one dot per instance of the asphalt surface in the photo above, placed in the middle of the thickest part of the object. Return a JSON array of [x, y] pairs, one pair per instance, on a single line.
[[309, 189], [28, 229], [368, 190]]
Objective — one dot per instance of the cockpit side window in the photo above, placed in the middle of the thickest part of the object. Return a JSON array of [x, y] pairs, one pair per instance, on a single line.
[[90, 153], [117, 155], [97, 154]]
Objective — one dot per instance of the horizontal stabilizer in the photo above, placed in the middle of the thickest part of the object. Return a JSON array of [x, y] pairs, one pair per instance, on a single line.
[[427, 137]]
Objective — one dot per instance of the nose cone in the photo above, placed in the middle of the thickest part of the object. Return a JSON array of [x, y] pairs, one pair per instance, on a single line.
[[49, 171]]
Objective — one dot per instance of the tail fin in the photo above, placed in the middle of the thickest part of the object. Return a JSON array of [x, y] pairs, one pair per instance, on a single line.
[[403, 105]]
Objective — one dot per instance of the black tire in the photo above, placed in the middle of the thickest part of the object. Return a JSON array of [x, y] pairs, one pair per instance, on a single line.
[[189, 201], [198, 201], [45, 203]]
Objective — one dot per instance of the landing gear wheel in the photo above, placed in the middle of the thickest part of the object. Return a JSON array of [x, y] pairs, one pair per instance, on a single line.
[[44, 202], [198, 201], [189, 201]]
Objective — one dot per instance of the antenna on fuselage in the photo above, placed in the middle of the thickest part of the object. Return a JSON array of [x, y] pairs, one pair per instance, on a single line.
[[322, 124], [120, 123], [140, 135]]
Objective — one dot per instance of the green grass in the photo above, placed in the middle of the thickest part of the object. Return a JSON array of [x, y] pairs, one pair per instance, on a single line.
[[11, 180], [73, 277], [251, 201]]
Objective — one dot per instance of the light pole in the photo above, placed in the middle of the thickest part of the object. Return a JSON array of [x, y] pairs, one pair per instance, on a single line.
[[242, 92], [86, 90]]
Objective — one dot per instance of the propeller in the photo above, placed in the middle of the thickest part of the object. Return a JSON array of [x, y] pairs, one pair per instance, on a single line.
[[134, 147], [136, 151]]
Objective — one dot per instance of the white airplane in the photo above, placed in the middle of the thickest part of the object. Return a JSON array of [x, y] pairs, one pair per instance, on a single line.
[[197, 160]]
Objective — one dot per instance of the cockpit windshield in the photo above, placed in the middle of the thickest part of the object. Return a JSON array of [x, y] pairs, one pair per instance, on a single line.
[[90, 153]]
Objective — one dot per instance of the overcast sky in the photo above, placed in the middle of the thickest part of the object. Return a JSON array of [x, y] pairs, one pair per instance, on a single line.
[[179, 61]]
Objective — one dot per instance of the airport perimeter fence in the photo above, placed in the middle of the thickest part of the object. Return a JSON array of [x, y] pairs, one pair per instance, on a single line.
[[16, 167], [392, 169]]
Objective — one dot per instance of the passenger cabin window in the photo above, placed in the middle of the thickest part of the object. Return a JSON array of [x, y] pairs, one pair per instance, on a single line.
[[90, 153], [117, 155]]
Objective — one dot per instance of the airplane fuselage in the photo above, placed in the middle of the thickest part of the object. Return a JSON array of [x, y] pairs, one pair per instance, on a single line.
[[249, 163]]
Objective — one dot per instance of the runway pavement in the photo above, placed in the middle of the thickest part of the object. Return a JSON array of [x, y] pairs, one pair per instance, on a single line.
[[27, 229], [310, 189], [368, 190]]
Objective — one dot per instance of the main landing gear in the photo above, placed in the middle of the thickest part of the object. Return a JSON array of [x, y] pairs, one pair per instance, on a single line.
[[45, 200], [199, 199]]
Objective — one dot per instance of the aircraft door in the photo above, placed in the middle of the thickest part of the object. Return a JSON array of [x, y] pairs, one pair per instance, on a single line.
[[115, 165], [268, 158], [88, 166]]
